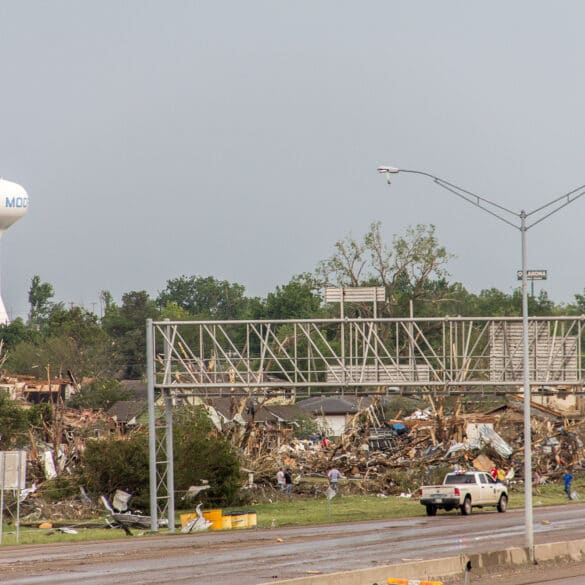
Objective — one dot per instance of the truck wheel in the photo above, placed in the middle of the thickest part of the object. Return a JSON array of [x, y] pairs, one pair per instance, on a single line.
[[466, 506], [503, 503], [431, 510]]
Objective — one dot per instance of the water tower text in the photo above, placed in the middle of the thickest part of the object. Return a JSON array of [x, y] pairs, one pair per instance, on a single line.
[[16, 202]]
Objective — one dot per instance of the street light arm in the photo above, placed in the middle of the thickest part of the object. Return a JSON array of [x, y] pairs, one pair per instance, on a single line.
[[477, 201], [489, 206], [568, 199], [465, 194]]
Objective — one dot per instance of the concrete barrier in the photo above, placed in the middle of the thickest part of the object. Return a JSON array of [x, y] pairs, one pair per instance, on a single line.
[[440, 569], [392, 581]]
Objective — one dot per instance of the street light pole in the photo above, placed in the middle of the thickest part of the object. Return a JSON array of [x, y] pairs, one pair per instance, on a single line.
[[518, 221], [528, 516]]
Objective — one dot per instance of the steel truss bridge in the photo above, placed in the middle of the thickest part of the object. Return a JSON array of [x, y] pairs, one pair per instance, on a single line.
[[270, 358]]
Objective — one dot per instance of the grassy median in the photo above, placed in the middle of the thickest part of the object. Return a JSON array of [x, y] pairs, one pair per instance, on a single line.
[[298, 512], [285, 511]]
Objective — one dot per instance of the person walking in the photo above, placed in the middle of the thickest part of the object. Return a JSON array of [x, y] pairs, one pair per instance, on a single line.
[[280, 479], [536, 482], [287, 482], [333, 474], [568, 478]]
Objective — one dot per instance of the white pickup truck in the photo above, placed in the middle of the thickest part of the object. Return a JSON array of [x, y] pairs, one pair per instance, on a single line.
[[464, 490]]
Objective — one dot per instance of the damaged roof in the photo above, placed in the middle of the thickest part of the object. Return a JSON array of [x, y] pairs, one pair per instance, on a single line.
[[340, 404], [228, 408], [125, 411]]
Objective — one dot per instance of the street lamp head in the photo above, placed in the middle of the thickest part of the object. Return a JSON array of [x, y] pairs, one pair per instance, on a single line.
[[388, 171]]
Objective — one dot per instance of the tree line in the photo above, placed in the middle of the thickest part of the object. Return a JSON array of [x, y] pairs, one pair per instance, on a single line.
[[55, 340]]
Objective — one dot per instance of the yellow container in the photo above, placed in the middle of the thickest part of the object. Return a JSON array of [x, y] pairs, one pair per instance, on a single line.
[[239, 519], [252, 520], [186, 518], [215, 517], [226, 522]]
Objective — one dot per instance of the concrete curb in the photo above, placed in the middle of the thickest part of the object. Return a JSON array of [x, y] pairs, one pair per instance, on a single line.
[[437, 569]]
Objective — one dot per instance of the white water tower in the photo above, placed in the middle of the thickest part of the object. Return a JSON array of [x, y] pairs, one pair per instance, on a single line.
[[13, 205]]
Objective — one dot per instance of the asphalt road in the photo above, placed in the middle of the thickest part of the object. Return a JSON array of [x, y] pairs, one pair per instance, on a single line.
[[253, 556]]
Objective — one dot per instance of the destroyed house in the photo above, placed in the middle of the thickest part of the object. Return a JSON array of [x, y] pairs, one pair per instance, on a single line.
[[274, 423], [127, 414], [334, 413], [44, 392], [137, 388], [279, 415], [247, 410], [12, 388], [514, 409]]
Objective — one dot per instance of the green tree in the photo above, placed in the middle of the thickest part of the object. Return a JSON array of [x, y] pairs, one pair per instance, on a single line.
[[76, 322], [577, 307], [39, 298], [15, 423], [205, 297], [71, 340], [201, 454], [493, 302], [99, 394], [127, 327], [15, 332], [25, 359], [298, 299], [110, 464], [106, 300], [173, 312]]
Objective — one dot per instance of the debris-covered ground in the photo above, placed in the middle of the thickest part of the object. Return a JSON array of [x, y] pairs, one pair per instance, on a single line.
[[379, 456], [375, 455]]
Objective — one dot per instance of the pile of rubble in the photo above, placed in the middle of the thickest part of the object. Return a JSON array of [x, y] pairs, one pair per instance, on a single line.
[[376, 455], [57, 447]]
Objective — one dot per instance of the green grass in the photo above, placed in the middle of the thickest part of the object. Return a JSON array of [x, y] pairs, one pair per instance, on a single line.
[[299, 512], [30, 535], [547, 495], [296, 511], [349, 508]]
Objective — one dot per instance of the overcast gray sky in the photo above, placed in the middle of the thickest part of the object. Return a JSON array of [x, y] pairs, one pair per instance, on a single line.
[[241, 139]]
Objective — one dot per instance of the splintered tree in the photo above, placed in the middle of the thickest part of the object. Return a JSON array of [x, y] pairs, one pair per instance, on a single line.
[[413, 268]]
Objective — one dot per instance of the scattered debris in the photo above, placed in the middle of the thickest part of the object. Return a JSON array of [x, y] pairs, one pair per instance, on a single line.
[[375, 454], [120, 500], [63, 530], [195, 490], [197, 524], [128, 520]]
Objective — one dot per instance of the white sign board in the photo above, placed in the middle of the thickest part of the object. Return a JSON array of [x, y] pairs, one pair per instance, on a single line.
[[358, 294], [12, 470]]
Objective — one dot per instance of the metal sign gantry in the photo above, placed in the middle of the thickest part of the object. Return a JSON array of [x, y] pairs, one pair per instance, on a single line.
[[270, 358]]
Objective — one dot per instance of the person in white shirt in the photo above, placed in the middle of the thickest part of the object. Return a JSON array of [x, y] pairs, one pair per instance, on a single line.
[[333, 474], [280, 479]]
